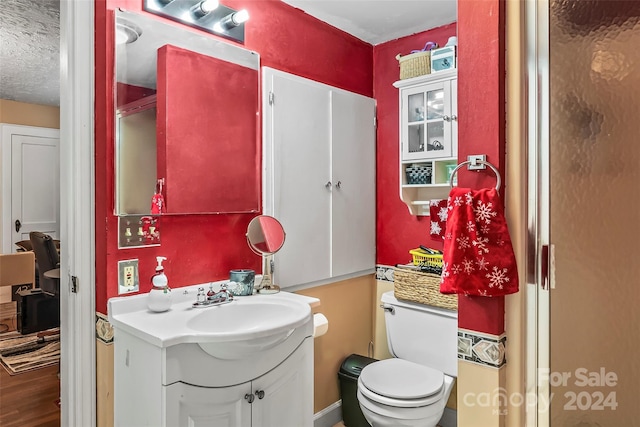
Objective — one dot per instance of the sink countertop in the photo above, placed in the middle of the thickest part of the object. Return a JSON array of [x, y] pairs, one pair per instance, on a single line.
[[168, 328]]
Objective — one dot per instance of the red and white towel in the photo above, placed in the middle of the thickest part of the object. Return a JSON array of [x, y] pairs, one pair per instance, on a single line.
[[478, 257], [157, 204], [438, 214]]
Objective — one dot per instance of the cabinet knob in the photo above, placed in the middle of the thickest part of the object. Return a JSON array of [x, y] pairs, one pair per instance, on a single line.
[[454, 117], [327, 185], [249, 397], [446, 118], [339, 184], [260, 394]]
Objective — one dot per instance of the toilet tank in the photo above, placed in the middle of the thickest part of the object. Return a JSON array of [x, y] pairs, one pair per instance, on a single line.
[[422, 334]]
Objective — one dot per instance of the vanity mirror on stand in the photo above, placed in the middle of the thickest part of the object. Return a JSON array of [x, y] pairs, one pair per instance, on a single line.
[[265, 236]]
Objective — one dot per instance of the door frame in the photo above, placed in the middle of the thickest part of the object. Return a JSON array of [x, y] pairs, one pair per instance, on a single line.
[[539, 262], [77, 214], [6, 132]]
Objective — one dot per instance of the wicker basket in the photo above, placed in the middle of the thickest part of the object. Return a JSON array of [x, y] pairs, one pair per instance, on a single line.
[[423, 288], [414, 64]]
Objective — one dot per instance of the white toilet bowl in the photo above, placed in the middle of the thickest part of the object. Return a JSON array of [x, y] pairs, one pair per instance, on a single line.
[[396, 392]]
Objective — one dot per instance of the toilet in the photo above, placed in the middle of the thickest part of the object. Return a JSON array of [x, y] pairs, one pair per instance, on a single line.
[[412, 388]]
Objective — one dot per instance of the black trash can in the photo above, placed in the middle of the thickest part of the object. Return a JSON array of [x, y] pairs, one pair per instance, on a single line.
[[348, 376]]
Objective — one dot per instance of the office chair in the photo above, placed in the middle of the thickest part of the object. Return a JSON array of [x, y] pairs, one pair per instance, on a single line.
[[47, 259]]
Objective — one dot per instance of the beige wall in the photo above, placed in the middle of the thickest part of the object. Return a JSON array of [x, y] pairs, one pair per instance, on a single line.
[[104, 384], [21, 113], [348, 308]]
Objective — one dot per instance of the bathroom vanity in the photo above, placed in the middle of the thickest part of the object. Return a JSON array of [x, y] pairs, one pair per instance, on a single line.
[[245, 363]]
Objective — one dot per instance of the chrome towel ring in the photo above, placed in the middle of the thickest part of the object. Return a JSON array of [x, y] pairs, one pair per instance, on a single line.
[[475, 162]]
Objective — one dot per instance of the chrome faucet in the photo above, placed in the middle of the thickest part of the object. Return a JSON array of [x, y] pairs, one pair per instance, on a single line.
[[213, 298]]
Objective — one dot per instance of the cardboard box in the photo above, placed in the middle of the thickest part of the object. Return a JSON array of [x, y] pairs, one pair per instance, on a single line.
[[443, 59]]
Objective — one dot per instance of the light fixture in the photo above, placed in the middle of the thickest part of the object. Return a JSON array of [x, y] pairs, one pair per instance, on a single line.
[[207, 15], [204, 7], [126, 32]]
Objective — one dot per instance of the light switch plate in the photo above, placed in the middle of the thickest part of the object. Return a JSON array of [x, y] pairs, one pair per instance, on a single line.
[[128, 280]]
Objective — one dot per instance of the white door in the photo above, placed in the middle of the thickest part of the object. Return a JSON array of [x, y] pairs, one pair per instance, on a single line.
[[193, 406], [299, 195], [284, 396], [31, 183], [353, 146]]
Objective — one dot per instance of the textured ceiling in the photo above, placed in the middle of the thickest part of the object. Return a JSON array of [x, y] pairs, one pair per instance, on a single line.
[[30, 51]]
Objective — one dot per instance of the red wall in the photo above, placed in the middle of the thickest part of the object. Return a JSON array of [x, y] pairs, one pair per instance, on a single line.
[[202, 248], [397, 230], [481, 130]]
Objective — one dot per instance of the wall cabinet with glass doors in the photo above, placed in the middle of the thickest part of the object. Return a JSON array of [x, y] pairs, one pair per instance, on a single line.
[[428, 138]]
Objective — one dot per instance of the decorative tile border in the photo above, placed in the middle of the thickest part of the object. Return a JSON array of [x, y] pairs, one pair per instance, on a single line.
[[384, 272], [483, 349], [104, 330]]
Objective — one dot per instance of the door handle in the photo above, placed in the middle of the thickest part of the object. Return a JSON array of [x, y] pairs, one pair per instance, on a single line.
[[249, 397], [260, 394], [328, 185], [339, 185], [18, 225]]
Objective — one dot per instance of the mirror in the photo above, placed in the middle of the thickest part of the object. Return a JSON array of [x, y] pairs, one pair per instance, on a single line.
[[186, 120], [265, 236]]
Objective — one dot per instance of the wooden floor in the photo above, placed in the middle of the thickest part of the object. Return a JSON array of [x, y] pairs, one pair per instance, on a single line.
[[30, 399]]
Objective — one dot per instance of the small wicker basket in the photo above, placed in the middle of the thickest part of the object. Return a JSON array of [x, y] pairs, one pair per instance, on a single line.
[[423, 288], [414, 64]]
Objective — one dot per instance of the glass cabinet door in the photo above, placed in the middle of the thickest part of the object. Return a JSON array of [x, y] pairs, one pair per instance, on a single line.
[[426, 122]]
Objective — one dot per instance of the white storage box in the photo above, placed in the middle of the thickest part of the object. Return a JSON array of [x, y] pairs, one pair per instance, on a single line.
[[443, 58]]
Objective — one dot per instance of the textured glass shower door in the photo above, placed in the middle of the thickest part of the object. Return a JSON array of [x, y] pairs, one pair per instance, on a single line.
[[594, 213]]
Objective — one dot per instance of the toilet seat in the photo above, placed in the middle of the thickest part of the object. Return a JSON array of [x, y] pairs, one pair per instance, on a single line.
[[400, 383]]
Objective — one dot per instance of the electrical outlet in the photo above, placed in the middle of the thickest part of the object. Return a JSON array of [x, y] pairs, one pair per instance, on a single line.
[[128, 276]]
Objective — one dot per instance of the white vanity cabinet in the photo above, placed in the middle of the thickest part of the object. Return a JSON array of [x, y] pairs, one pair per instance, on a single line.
[[184, 386], [428, 137], [248, 363], [319, 178], [277, 398]]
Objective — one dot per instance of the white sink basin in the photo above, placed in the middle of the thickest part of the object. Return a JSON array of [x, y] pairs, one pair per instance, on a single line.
[[241, 318], [239, 329], [245, 327]]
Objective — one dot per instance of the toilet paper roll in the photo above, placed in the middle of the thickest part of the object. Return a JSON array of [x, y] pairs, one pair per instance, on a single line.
[[320, 325]]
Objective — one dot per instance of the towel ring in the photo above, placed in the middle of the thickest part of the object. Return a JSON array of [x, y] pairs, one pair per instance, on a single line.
[[482, 162]]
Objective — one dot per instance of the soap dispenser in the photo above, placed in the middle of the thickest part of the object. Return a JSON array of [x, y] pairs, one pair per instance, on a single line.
[[159, 299]]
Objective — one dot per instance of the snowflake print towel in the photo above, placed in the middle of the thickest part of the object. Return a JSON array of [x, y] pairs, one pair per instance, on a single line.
[[478, 258], [438, 213]]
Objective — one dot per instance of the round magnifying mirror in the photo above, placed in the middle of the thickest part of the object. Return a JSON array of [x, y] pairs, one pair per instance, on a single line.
[[265, 236]]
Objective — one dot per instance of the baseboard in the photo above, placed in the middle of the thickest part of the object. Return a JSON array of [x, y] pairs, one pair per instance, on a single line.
[[449, 418], [329, 416]]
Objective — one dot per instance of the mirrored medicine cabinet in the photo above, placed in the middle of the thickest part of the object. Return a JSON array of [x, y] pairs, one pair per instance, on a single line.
[[186, 120]]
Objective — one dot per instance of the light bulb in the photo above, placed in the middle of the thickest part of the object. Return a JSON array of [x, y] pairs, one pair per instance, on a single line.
[[231, 20], [204, 7], [208, 5], [240, 16]]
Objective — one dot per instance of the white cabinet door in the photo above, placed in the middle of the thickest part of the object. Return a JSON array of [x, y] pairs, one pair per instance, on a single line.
[[285, 395], [426, 121], [354, 183], [296, 193], [319, 148], [190, 406]]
